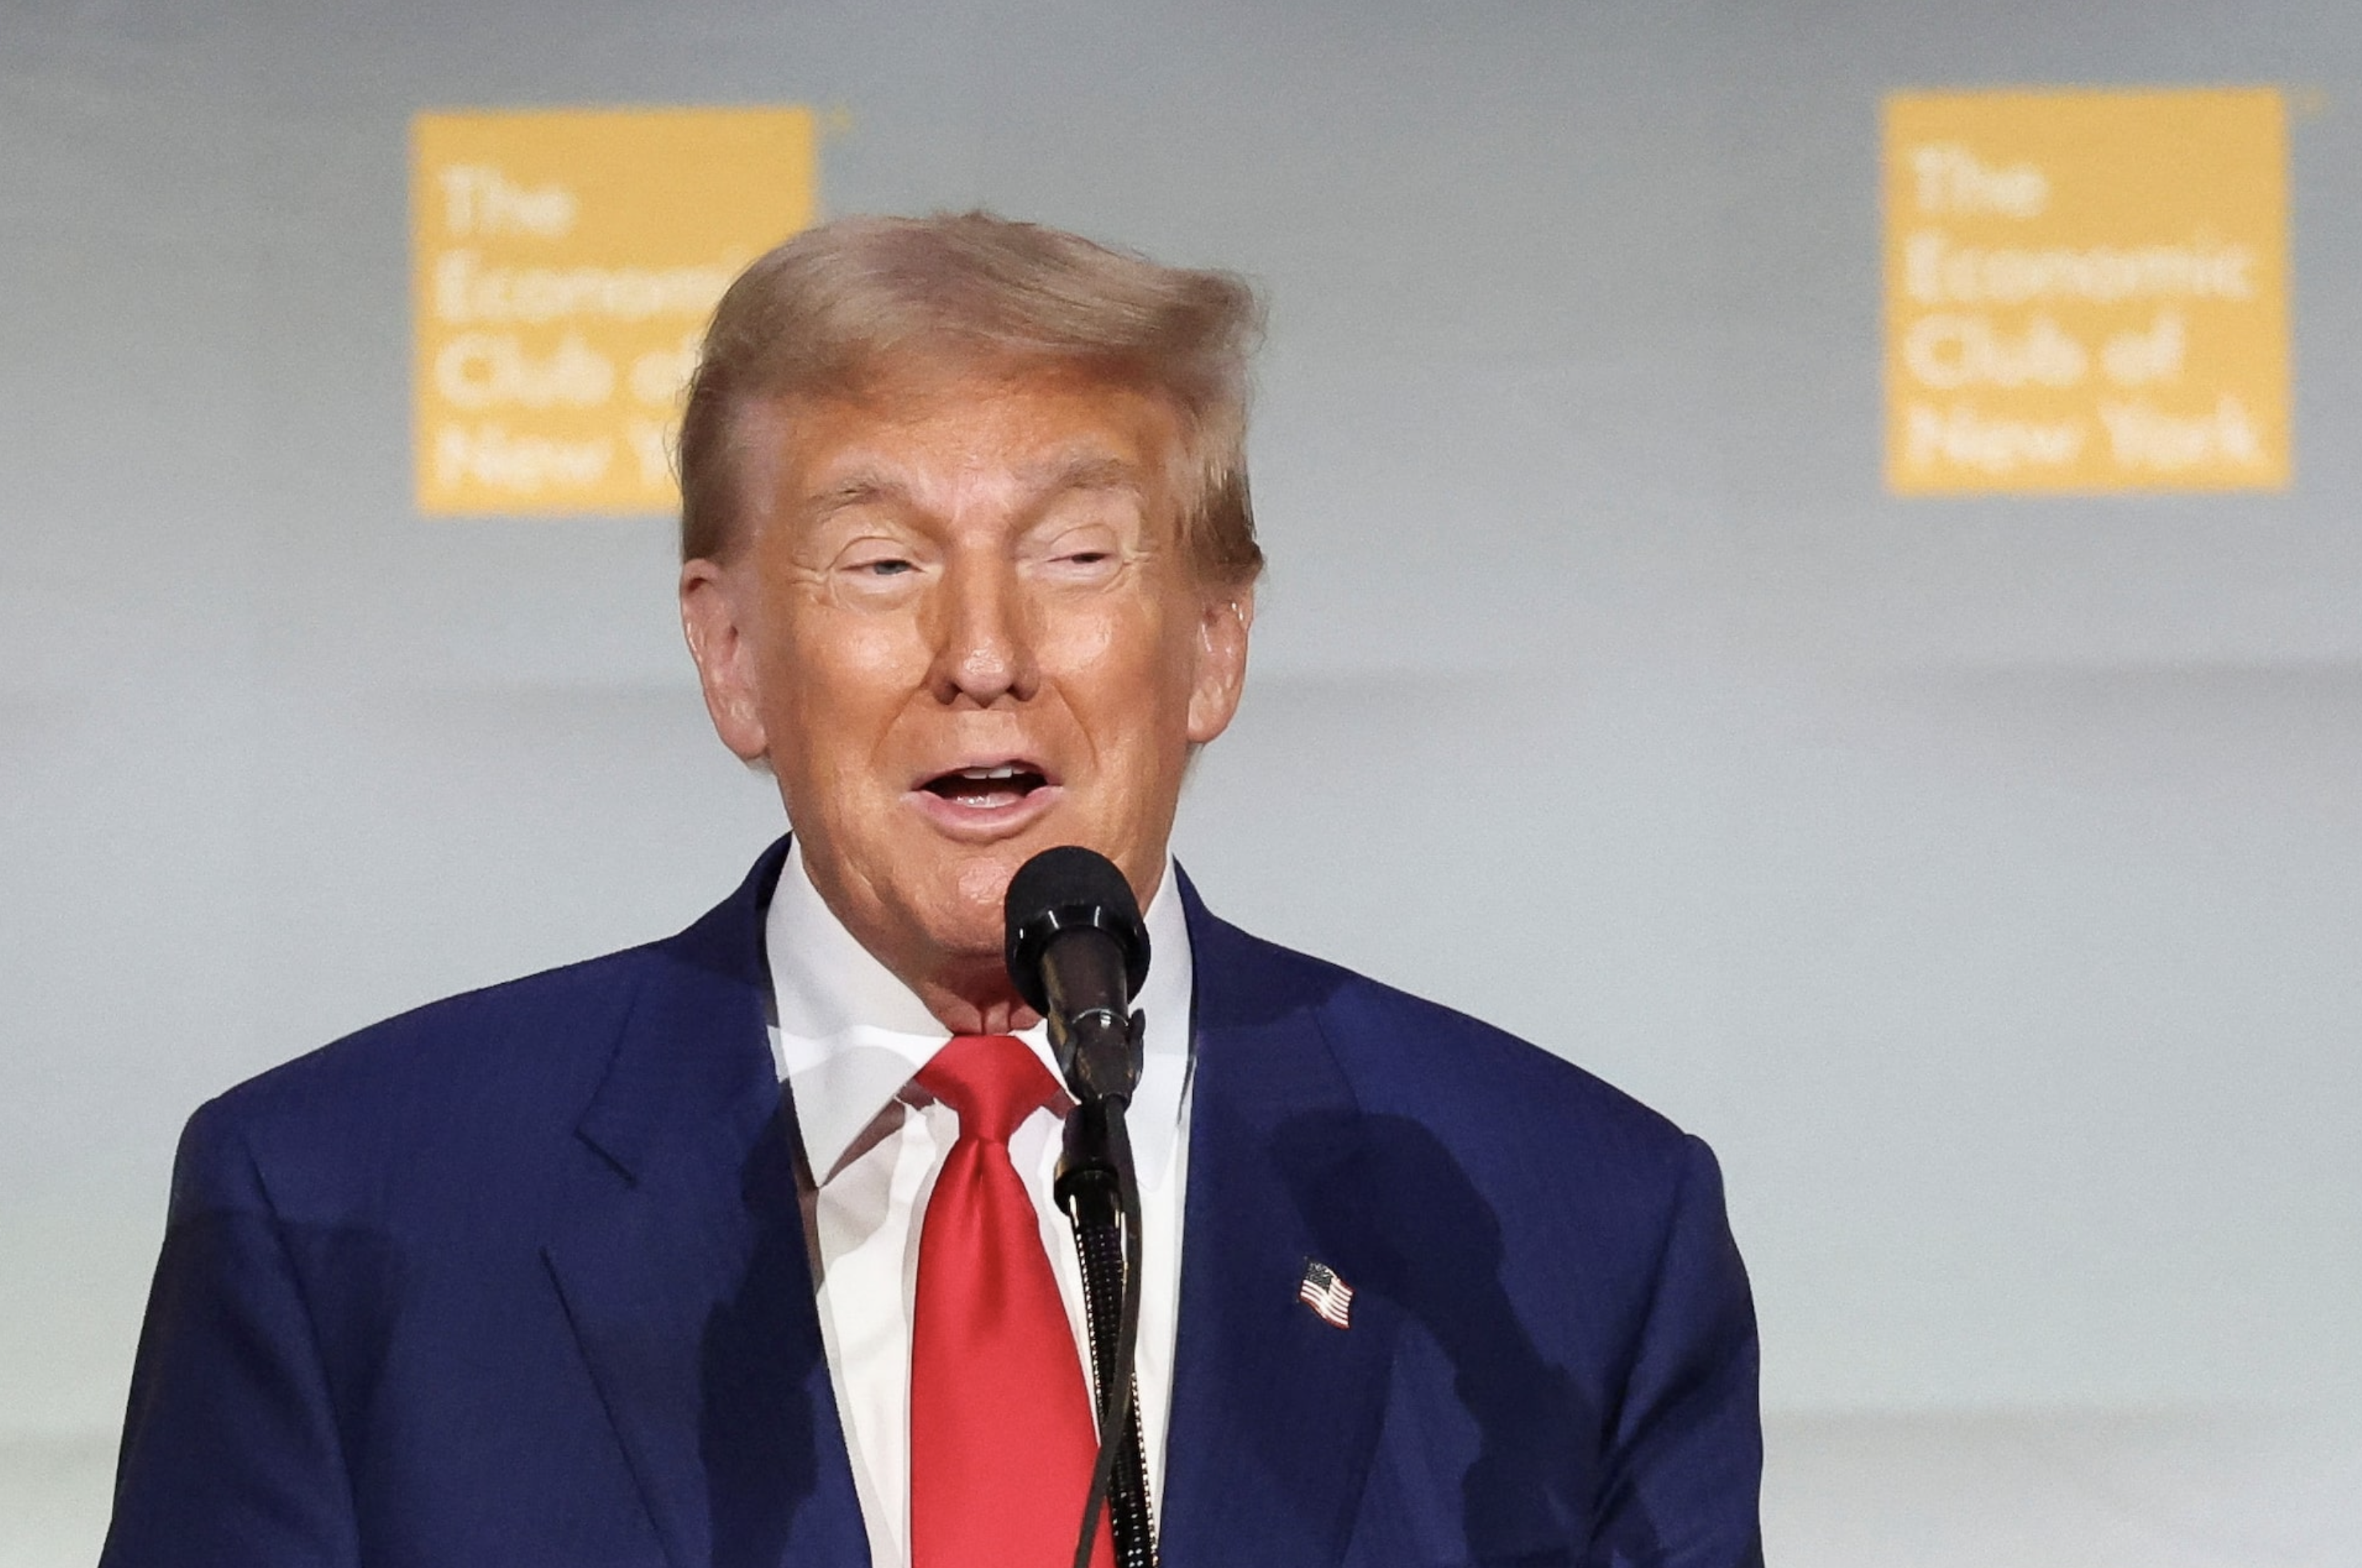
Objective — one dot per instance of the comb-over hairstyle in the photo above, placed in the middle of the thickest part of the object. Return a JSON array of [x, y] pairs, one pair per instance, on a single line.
[[840, 305]]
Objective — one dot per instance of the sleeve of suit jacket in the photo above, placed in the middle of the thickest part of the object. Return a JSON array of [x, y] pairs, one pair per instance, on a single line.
[[1682, 1481], [230, 1448]]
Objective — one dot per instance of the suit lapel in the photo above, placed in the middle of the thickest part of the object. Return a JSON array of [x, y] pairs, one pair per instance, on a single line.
[[683, 1268], [1276, 1413]]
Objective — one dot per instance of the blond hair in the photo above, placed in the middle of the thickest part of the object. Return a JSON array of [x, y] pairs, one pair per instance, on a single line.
[[828, 312]]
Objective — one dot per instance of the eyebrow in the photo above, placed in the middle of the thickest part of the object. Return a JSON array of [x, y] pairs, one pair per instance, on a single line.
[[865, 487], [858, 489], [1081, 473]]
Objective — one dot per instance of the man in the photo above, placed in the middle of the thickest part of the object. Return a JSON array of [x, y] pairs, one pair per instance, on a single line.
[[558, 1273]]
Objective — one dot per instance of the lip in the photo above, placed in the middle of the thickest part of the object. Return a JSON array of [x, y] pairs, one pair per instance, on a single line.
[[986, 824]]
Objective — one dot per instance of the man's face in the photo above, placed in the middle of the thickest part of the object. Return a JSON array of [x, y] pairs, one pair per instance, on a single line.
[[963, 629]]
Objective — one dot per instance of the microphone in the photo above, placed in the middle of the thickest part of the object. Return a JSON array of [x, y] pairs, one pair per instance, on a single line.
[[1077, 951]]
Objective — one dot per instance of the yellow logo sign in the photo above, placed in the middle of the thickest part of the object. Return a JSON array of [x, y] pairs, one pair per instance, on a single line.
[[2086, 291], [563, 266]]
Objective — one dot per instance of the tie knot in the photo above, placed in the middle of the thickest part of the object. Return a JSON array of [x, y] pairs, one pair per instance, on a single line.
[[992, 1082]]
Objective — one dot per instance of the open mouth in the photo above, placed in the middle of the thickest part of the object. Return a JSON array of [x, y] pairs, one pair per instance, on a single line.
[[989, 787]]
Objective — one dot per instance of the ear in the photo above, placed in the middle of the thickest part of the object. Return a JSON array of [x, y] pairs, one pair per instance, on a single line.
[[1223, 625], [713, 607]]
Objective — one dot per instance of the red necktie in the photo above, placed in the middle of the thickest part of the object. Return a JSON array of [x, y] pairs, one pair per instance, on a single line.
[[1002, 1430]]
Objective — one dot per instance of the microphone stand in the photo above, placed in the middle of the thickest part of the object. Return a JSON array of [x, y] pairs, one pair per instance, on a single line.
[[1098, 1190]]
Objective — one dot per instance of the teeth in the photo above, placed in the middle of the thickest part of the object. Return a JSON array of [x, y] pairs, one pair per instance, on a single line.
[[1005, 770]]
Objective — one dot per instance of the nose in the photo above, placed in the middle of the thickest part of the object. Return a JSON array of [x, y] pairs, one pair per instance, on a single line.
[[984, 644]]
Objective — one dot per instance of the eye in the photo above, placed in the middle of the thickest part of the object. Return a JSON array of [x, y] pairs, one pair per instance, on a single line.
[[870, 559], [1082, 552], [879, 570], [1080, 565]]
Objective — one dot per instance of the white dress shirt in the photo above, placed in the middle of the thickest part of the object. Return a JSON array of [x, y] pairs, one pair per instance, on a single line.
[[847, 1038]]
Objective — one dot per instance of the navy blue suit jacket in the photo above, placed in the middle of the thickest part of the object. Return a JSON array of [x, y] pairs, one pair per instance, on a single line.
[[519, 1279]]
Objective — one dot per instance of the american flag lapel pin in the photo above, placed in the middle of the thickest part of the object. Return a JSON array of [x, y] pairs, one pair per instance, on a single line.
[[1331, 1298]]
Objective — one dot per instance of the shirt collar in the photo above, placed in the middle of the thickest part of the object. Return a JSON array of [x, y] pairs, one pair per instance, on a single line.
[[850, 1035]]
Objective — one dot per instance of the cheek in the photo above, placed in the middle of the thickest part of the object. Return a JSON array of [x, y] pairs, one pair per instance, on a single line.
[[1121, 651], [1130, 679], [832, 686]]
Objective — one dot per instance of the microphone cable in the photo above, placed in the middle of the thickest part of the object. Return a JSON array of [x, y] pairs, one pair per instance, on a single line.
[[1119, 1408]]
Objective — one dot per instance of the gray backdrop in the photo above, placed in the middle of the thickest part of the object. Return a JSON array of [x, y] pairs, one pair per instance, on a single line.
[[1982, 877]]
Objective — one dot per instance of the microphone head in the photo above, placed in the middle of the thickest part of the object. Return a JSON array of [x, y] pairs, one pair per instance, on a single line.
[[1063, 890]]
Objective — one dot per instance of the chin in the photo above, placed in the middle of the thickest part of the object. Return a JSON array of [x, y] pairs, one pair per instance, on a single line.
[[970, 918]]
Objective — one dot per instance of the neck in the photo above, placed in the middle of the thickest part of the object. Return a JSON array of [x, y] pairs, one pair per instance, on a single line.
[[968, 993]]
